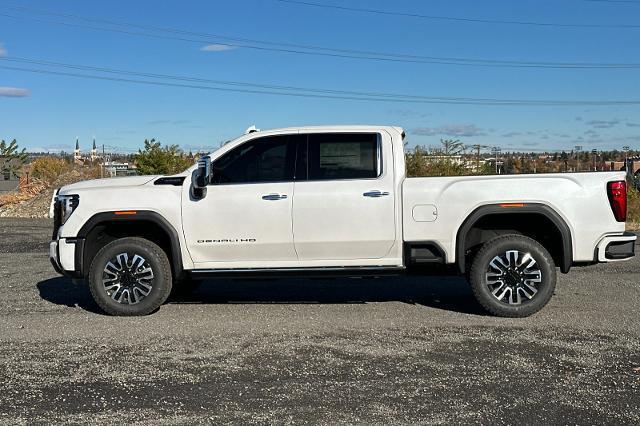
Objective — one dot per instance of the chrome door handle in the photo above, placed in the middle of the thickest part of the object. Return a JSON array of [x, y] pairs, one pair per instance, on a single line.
[[274, 197], [375, 194]]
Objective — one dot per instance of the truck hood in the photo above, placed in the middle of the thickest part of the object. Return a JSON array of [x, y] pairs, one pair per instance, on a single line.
[[116, 182]]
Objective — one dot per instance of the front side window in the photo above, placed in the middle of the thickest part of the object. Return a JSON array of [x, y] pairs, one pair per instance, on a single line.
[[267, 159], [343, 156]]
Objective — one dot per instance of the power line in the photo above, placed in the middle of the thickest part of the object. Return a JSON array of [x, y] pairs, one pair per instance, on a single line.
[[614, 1], [301, 49], [453, 19], [124, 76], [257, 85]]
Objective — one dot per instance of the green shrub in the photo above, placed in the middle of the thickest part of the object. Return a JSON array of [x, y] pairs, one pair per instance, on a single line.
[[633, 208], [155, 159]]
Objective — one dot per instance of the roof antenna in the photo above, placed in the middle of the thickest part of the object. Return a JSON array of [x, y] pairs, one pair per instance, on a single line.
[[251, 129]]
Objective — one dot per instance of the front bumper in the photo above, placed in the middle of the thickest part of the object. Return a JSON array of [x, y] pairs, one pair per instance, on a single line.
[[65, 255], [614, 248], [54, 258]]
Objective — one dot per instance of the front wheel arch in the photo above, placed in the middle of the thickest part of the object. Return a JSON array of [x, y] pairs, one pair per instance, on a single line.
[[144, 224]]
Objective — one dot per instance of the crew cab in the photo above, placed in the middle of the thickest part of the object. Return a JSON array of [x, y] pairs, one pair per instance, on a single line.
[[333, 201]]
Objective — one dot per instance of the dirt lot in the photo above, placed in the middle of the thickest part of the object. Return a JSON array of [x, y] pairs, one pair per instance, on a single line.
[[314, 351]]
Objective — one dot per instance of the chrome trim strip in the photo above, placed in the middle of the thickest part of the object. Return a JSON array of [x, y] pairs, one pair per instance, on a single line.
[[318, 269]]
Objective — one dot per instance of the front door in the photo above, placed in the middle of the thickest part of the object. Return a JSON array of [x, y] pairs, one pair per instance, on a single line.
[[245, 217], [344, 208]]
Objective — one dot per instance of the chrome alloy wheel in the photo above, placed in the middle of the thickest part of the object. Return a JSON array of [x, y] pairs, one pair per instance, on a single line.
[[513, 277], [127, 282]]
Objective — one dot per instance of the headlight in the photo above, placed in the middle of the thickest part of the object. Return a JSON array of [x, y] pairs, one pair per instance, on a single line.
[[66, 204]]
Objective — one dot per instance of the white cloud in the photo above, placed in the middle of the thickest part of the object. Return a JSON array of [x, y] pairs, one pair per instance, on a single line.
[[511, 134], [217, 47], [603, 124], [409, 113], [3, 51], [13, 92], [51, 148], [457, 130]]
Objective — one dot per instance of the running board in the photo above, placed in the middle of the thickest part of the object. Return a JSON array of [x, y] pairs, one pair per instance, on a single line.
[[347, 271]]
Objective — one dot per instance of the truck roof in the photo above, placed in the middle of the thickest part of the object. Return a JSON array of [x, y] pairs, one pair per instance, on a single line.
[[332, 128]]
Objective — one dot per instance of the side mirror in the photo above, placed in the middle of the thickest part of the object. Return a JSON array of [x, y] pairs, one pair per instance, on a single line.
[[200, 178]]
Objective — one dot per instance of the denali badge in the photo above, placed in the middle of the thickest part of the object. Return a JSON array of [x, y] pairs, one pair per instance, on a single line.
[[228, 240]]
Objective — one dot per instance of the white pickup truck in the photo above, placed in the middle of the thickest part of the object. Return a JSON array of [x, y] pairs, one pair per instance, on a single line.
[[333, 201]]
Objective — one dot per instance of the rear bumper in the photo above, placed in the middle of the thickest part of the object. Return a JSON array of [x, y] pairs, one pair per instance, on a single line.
[[614, 248]]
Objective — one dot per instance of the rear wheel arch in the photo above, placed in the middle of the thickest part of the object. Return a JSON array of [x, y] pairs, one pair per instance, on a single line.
[[520, 219], [102, 228]]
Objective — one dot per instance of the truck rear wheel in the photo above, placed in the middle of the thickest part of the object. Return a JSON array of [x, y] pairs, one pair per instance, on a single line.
[[130, 277], [513, 276]]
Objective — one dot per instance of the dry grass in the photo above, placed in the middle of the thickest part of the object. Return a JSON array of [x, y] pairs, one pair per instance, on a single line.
[[633, 209], [27, 189], [32, 197], [49, 168]]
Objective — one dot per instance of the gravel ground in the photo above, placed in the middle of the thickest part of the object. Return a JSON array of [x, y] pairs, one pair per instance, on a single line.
[[375, 351]]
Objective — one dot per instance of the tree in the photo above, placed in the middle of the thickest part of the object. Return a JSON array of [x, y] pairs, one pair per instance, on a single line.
[[155, 159], [13, 159], [452, 147], [445, 164], [437, 162]]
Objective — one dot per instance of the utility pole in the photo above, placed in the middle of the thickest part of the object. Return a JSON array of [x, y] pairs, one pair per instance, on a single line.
[[626, 159], [102, 165], [595, 158], [496, 150], [477, 148]]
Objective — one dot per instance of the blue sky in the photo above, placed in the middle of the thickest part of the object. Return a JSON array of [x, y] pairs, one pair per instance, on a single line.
[[46, 111]]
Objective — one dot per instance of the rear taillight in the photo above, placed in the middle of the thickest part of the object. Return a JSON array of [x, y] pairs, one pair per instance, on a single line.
[[617, 192]]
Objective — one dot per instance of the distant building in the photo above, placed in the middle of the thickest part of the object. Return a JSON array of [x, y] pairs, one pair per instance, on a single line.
[[634, 165], [116, 168], [76, 153], [9, 180], [94, 151], [436, 158], [80, 159]]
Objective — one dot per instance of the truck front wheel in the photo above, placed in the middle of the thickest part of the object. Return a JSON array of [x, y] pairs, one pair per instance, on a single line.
[[130, 277], [513, 276]]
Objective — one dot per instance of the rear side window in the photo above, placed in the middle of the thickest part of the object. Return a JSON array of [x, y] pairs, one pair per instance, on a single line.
[[268, 159], [343, 156]]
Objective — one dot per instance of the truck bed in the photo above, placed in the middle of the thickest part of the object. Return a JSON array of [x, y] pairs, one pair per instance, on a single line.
[[437, 206]]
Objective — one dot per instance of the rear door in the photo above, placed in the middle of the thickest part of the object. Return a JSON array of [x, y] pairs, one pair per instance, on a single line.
[[344, 202]]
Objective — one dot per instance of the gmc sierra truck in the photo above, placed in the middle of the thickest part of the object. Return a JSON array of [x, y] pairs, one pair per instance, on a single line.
[[333, 201]]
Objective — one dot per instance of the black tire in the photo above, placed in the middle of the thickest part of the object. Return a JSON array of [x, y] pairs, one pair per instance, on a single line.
[[134, 303], [512, 281]]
